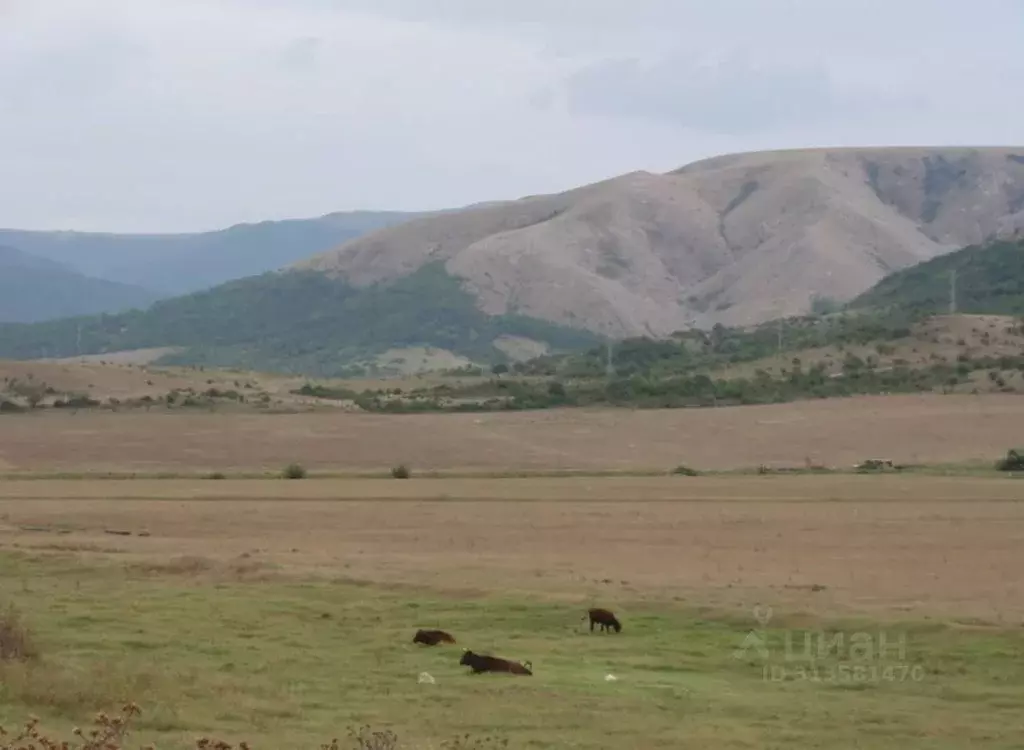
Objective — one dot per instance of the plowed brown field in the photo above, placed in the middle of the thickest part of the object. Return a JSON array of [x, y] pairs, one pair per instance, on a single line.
[[909, 429]]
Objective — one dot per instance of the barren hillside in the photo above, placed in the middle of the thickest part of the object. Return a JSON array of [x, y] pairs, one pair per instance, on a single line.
[[737, 239]]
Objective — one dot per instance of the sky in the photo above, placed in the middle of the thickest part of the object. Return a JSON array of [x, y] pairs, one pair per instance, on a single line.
[[187, 115]]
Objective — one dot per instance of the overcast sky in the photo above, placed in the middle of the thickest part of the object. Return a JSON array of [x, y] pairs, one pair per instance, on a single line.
[[166, 115]]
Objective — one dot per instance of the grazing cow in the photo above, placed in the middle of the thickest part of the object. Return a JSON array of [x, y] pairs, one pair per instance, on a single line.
[[604, 618], [432, 637], [479, 663]]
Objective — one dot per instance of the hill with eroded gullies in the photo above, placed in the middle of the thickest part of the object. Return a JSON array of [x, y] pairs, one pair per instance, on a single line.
[[736, 240]]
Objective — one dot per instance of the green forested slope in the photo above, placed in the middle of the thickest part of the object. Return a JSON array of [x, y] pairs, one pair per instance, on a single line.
[[293, 322]]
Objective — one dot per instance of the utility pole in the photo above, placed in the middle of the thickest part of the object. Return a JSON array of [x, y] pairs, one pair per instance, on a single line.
[[609, 368], [952, 292], [779, 325]]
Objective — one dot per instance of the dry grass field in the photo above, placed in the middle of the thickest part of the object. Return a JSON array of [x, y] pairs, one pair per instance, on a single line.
[[931, 429], [828, 545]]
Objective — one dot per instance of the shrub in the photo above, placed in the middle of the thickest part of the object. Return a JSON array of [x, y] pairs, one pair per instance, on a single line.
[[685, 471], [294, 471], [1014, 461], [401, 472], [216, 475], [16, 643]]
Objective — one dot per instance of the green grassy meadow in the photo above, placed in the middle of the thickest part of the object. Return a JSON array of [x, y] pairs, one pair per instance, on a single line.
[[290, 665]]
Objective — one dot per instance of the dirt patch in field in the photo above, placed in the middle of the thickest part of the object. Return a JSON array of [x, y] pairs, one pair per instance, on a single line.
[[841, 432], [837, 545]]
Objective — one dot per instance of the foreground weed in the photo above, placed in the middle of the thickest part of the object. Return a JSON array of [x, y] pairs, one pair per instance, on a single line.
[[110, 733]]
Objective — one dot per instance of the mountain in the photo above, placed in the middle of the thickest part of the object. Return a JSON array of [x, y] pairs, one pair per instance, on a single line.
[[182, 263], [737, 239], [989, 279], [35, 289]]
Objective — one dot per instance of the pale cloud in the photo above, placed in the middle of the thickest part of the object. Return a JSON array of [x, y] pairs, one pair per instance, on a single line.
[[157, 115]]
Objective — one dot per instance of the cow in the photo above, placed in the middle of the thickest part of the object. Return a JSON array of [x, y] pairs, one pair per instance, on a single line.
[[604, 618], [480, 663], [432, 637]]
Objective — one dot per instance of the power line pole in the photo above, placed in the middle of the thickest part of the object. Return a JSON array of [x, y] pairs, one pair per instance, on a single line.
[[952, 292]]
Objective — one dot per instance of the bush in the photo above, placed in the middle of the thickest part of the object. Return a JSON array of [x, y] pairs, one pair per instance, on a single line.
[[685, 471], [1014, 461], [216, 475], [16, 643], [401, 472], [294, 471]]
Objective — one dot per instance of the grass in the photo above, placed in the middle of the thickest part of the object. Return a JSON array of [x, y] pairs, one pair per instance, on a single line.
[[290, 665]]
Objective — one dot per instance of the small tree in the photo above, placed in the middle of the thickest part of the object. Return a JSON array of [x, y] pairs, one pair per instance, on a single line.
[[499, 369], [294, 471], [1014, 461], [401, 472]]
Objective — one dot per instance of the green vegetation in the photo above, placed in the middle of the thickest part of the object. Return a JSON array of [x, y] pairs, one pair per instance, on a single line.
[[226, 650], [294, 322], [656, 387], [989, 280], [294, 471], [1013, 461]]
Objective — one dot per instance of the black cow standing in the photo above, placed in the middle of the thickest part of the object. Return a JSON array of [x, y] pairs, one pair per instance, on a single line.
[[604, 618]]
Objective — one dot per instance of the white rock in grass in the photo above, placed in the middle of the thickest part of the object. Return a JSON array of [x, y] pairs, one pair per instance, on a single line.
[[426, 678], [610, 678]]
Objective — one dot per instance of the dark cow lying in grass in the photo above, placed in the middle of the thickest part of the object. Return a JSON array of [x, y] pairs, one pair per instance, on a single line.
[[604, 618], [479, 663], [432, 637]]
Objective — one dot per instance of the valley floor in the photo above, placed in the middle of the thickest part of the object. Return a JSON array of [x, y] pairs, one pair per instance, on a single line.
[[813, 610]]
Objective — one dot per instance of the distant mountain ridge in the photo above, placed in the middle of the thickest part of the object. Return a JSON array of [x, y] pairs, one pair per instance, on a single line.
[[34, 289], [736, 239], [182, 263]]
